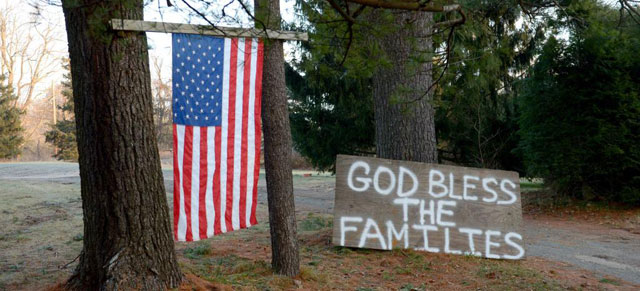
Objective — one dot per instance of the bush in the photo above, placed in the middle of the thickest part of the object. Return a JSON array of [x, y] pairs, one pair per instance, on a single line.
[[10, 126], [580, 109]]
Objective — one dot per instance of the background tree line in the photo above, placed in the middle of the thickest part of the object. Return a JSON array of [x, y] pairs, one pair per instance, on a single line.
[[26, 63], [493, 97], [62, 134], [38, 122], [553, 94], [492, 109]]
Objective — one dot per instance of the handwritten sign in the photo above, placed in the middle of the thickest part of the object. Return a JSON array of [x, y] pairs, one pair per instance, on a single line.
[[385, 204]]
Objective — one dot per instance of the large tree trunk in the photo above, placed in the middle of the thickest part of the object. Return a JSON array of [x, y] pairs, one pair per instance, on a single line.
[[128, 243], [405, 128], [277, 148]]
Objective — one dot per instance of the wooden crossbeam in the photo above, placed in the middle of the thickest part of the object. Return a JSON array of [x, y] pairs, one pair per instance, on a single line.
[[167, 27]]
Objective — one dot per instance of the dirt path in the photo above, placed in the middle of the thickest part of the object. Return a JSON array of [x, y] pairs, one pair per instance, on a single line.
[[604, 250], [594, 247]]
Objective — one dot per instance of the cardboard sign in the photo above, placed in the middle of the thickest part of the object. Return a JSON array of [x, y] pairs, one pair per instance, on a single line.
[[385, 204]]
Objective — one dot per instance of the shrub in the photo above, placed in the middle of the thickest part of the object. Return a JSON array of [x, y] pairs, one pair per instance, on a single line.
[[580, 109]]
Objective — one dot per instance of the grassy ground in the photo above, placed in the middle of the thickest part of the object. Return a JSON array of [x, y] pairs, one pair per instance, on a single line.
[[41, 231], [242, 262], [41, 235]]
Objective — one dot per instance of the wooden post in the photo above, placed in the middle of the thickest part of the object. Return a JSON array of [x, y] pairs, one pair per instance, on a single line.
[[151, 26], [53, 99], [55, 115]]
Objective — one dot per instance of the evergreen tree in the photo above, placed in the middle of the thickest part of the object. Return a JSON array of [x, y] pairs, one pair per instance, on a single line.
[[331, 112], [332, 97], [63, 133], [331, 107], [580, 122], [476, 116], [10, 128]]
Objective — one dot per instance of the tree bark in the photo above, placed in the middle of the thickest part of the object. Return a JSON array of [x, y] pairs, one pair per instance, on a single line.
[[277, 147], [128, 242], [405, 128]]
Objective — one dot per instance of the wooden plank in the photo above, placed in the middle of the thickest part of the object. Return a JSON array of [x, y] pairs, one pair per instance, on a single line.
[[384, 204], [167, 27]]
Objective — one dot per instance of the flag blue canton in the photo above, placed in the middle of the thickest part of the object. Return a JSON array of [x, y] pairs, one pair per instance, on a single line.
[[198, 63]]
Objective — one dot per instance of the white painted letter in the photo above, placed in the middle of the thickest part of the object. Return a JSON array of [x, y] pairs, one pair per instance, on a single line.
[[471, 232], [344, 229], [414, 188], [425, 236], [508, 192], [376, 180], [365, 181], [447, 250], [485, 185], [445, 212], [507, 239], [452, 188], [439, 183], [405, 206], [466, 186], [488, 244], [430, 212], [391, 233], [366, 235]]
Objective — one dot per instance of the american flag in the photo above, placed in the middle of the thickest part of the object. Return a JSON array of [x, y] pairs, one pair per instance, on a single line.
[[217, 85]]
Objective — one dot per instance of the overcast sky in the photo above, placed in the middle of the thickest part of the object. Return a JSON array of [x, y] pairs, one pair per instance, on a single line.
[[159, 43]]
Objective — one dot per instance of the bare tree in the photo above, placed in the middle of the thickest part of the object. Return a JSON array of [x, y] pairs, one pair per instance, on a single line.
[[27, 55], [161, 89]]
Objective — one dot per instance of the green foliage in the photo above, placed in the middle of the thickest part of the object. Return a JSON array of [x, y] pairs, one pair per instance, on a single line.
[[580, 121], [574, 120], [476, 116], [331, 106], [329, 115], [610, 281], [62, 135], [410, 287], [10, 127], [313, 223], [197, 251], [78, 237]]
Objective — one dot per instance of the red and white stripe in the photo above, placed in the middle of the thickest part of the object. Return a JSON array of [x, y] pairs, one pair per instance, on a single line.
[[216, 180]]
